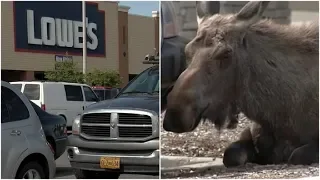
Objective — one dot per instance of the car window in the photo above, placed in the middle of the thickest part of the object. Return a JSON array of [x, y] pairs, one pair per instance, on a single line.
[[73, 93], [15, 108], [19, 86], [89, 94], [156, 88], [5, 117], [100, 93], [32, 91], [114, 92]]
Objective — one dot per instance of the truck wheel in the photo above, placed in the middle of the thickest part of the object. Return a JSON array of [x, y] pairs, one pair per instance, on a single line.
[[86, 174], [31, 170]]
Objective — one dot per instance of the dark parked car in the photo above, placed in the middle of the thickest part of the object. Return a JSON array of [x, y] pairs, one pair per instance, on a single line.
[[55, 130]]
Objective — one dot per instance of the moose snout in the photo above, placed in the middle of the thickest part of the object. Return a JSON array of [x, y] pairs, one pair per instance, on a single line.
[[171, 121], [181, 114], [178, 120]]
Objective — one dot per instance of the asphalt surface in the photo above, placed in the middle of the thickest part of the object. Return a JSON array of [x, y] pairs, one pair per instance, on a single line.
[[64, 171]]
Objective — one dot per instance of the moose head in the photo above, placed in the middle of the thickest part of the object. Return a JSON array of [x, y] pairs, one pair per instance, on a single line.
[[210, 84]]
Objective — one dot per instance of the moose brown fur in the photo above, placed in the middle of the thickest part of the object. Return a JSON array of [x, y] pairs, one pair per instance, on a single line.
[[267, 70]]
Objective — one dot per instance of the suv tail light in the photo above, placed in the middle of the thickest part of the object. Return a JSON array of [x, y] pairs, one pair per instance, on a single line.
[[65, 131], [43, 107]]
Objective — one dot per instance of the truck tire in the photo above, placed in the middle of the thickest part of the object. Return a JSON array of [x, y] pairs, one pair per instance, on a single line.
[[86, 174], [34, 168]]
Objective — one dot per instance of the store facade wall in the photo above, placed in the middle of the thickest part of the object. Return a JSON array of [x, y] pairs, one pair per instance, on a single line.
[[155, 15], [26, 48], [28, 57], [141, 41], [123, 44]]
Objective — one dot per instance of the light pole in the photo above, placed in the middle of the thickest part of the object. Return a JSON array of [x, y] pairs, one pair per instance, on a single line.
[[84, 42]]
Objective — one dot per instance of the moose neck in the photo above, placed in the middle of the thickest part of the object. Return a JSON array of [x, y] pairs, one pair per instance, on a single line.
[[276, 63]]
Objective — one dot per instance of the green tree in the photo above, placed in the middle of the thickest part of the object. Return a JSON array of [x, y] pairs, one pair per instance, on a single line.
[[65, 72], [103, 78]]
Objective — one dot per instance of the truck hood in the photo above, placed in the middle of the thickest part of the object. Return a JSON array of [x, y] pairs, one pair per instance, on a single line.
[[128, 102]]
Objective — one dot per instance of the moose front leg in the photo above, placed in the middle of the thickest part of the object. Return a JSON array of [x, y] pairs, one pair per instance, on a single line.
[[264, 144], [240, 152], [305, 155], [255, 145]]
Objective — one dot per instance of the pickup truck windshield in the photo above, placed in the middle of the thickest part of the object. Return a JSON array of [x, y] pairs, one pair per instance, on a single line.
[[147, 82]]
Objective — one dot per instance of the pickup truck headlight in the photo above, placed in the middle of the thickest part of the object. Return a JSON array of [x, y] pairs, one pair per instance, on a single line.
[[76, 126]]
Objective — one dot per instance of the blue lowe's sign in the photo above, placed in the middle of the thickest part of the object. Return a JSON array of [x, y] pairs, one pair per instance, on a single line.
[[56, 27]]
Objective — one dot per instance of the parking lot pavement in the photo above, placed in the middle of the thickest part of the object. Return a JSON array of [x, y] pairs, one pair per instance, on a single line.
[[64, 171]]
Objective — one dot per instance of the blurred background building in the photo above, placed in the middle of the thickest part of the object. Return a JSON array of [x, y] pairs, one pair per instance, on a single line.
[[281, 11], [121, 40]]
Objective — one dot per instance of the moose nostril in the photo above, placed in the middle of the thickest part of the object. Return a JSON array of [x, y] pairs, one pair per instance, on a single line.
[[165, 126], [169, 119]]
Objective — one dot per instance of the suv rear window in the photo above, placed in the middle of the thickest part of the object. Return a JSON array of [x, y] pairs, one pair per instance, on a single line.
[[32, 91], [73, 93]]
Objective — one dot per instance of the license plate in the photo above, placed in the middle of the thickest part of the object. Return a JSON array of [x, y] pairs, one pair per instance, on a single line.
[[109, 163]]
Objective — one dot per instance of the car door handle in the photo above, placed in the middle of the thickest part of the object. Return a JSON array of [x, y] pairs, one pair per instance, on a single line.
[[15, 133]]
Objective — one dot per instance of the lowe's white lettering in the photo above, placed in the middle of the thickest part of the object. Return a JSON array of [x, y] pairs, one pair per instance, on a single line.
[[60, 32]]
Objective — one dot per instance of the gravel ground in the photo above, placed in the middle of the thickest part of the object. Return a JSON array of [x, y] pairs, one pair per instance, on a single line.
[[206, 141]]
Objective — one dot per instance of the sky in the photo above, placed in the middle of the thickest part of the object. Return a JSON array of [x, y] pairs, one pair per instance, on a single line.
[[144, 8]]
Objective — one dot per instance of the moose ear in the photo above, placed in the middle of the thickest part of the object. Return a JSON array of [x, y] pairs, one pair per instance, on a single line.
[[252, 11], [206, 8]]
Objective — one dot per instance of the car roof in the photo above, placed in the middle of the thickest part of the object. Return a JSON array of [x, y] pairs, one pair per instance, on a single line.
[[4, 83], [46, 82]]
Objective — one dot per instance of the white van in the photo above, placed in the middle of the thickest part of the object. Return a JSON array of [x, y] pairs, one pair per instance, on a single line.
[[60, 98]]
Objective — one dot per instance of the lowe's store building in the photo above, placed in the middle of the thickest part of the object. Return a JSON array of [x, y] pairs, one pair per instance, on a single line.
[[37, 34]]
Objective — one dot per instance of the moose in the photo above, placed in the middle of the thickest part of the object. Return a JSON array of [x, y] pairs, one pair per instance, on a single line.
[[268, 71]]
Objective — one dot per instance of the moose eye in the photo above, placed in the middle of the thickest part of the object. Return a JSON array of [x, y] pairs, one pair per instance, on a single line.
[[209, 42], [197, 40]]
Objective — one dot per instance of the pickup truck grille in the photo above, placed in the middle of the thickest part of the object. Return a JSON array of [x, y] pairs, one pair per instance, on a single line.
[[105, 126], [97, 118], [134, 119], [99, 131], [138, 132]]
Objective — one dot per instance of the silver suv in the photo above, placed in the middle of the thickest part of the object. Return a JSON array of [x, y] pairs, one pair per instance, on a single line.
[[25, 152]]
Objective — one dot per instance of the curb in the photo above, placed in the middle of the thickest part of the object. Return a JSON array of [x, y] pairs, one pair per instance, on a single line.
[[174, 163]]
